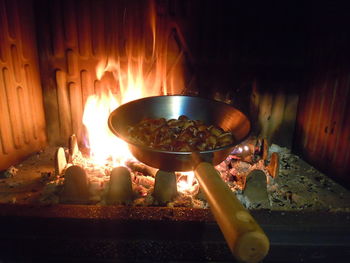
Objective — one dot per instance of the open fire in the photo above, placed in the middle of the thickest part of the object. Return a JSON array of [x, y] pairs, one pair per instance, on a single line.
[[118, 56], [65, 65], [97, 171], [132, 80], [102, 151]]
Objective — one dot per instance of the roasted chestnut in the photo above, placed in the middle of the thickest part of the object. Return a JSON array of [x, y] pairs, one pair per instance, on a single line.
[[180, 134]]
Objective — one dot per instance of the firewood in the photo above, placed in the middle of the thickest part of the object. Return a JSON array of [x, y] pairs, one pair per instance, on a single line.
[[273, 167], [265, 149], [142, 168]]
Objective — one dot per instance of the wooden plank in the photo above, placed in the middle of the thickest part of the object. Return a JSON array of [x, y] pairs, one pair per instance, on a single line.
[[265, 107], [341, 159], [324, 115], [338, 115], [277, 114]]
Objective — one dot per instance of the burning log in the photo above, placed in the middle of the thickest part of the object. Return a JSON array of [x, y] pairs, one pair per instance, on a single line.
[[145, 181], [120, 188], [165, 188], [273, 167], [255, 190], [60, 161], [265, 149], [75, 187], [141, 168]]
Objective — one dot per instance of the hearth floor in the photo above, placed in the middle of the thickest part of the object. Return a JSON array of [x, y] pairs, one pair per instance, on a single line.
[[298, 186]]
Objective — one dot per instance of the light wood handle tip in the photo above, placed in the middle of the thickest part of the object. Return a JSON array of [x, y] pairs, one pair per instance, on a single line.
[[243, 235], [252, 247]]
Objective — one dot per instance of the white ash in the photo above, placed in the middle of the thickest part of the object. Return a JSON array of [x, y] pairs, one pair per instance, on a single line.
[[27, 180], [298, 185], [147, 200], [234, 173], [184, 200], [50, 192]]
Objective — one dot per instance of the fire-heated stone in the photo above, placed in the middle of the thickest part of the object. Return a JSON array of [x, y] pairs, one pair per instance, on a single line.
[[75, 188], [120, 187], [255, 190], [165, 189]]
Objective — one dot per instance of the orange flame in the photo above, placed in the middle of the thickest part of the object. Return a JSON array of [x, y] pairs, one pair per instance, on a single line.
[[187, 183], [104, 146], [134, 73]]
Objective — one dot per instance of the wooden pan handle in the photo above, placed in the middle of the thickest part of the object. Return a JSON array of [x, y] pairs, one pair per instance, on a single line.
[[245, 238]]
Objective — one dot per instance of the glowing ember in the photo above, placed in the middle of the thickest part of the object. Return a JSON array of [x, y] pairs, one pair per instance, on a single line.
[[187, 183]]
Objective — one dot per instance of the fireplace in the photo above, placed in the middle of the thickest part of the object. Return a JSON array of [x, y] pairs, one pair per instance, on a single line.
[[285, 66]]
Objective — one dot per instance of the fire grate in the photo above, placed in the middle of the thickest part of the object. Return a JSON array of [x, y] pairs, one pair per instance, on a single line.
[[297, 186]]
